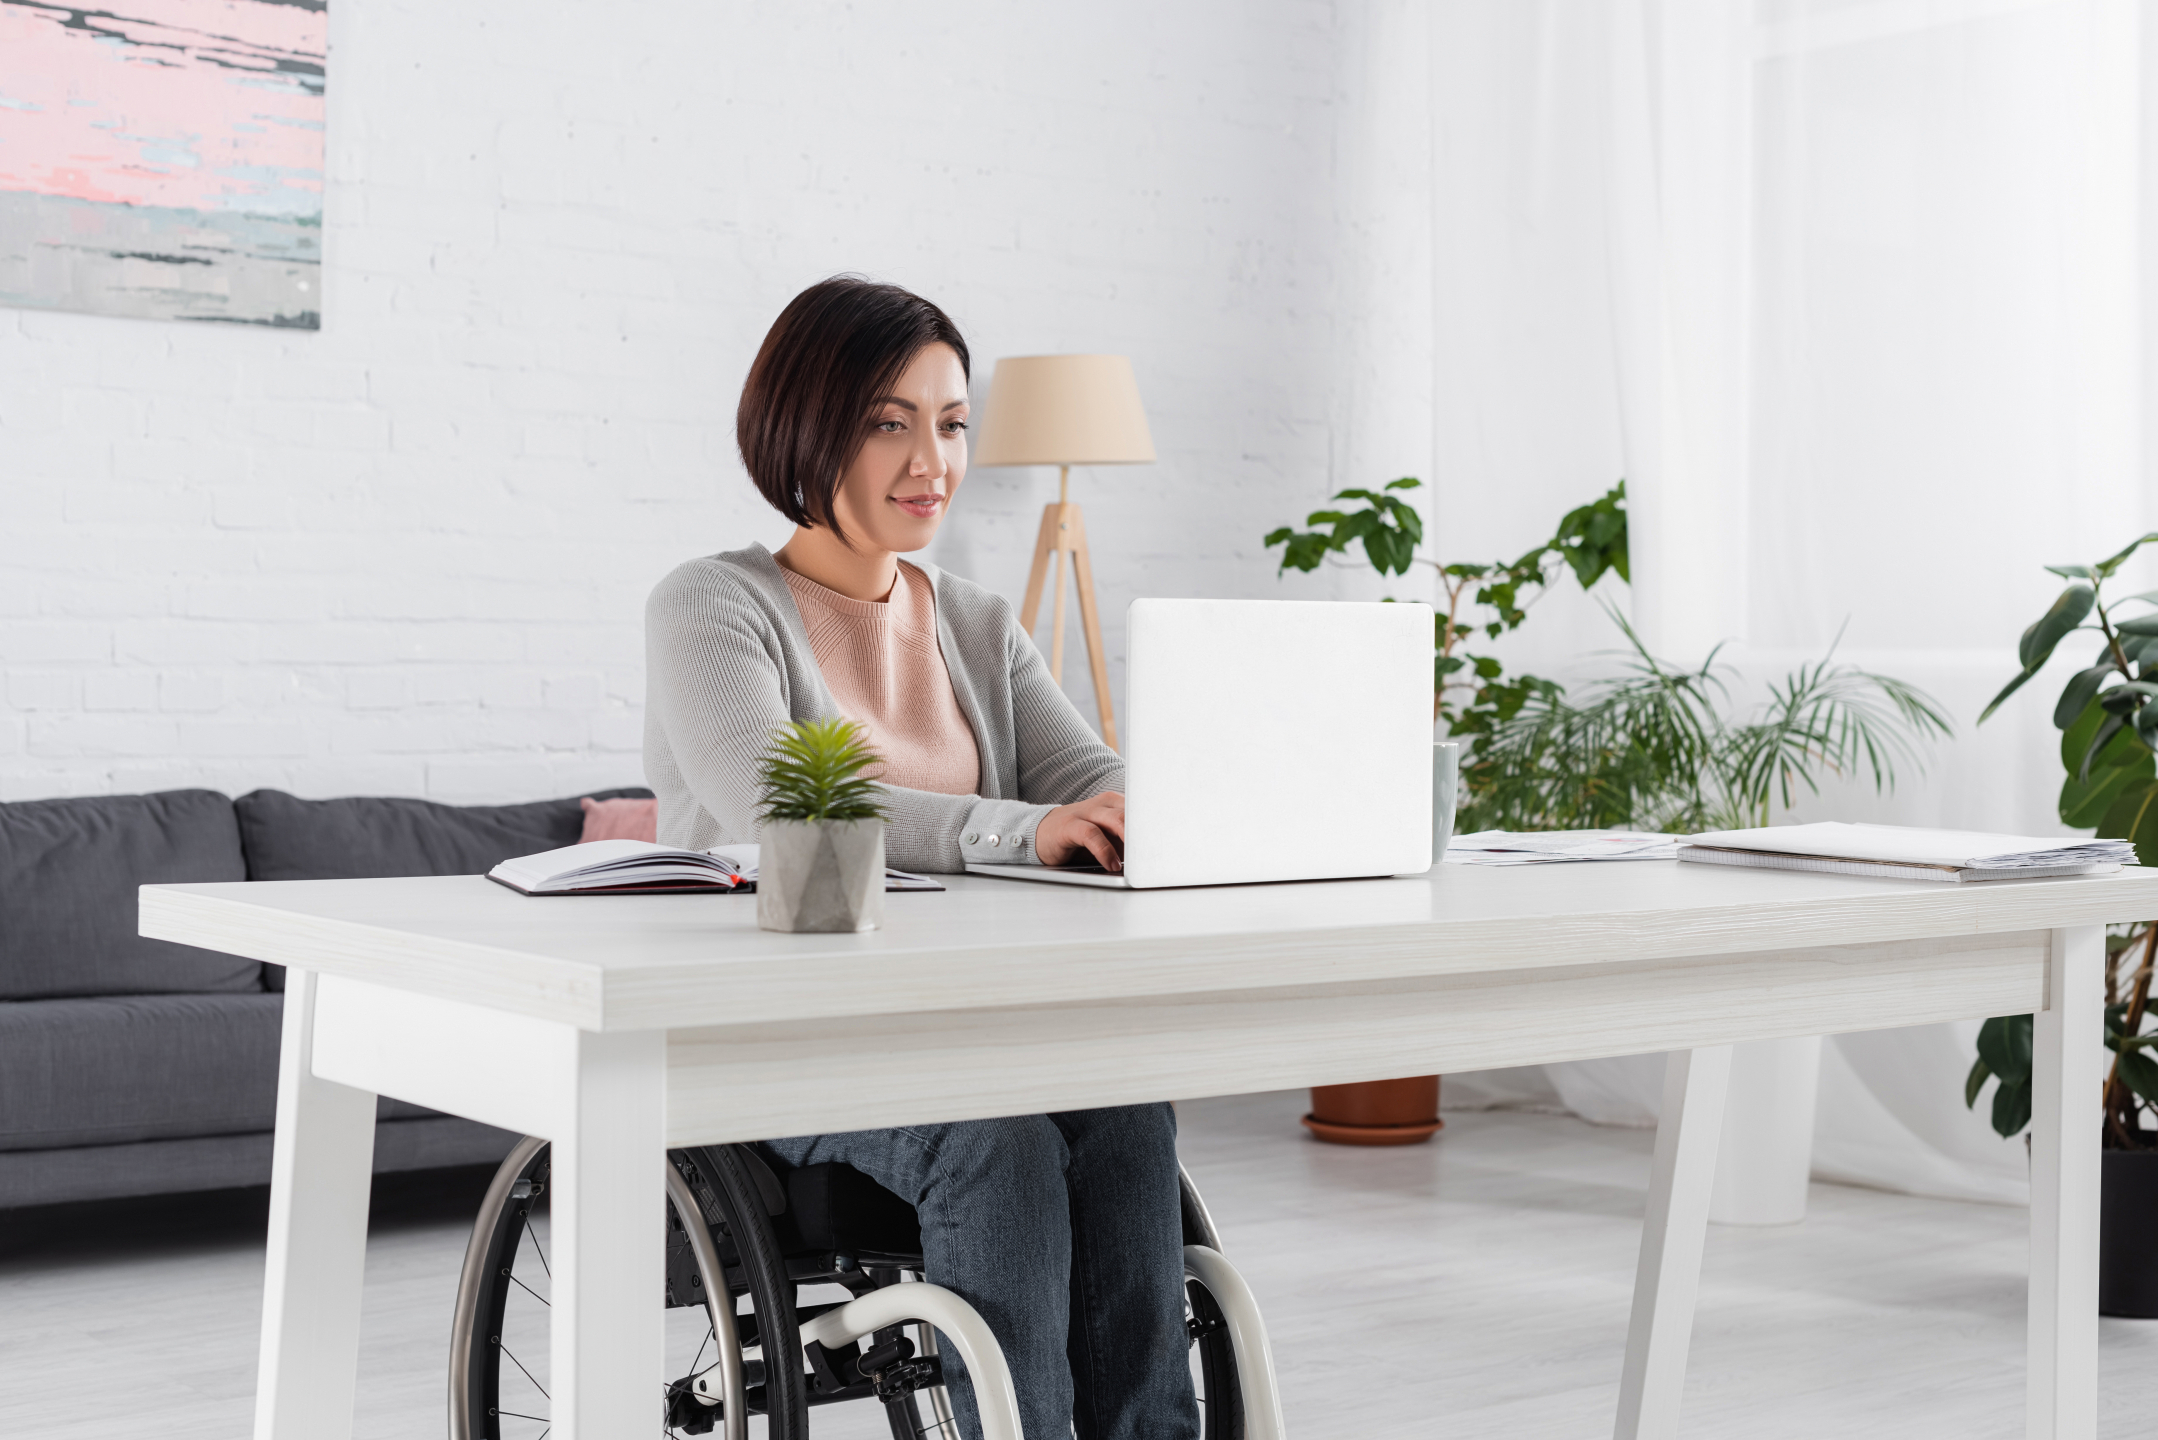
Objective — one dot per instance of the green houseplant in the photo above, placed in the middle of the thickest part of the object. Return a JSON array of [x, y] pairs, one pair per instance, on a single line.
[[2109, 730], [1660, 747], [820, 866], [1653, 747], [1470, 692]]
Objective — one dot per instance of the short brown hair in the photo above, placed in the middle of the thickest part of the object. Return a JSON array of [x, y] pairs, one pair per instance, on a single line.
[[835, 349]]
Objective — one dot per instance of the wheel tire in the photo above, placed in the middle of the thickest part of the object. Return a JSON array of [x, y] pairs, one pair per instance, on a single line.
[[725, 1184], [485, 1285], [1222, 1392], [483, 1291], [1221, 1389]]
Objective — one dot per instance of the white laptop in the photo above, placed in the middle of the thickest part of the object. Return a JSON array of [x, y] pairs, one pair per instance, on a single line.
[[1270, 740]]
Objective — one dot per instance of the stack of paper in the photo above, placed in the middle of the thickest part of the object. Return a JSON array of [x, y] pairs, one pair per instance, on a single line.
[[1544, 847], [1903, 853]]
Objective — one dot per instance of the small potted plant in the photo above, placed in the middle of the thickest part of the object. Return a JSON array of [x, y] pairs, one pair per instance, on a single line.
[[820, 866], [2109, 731]]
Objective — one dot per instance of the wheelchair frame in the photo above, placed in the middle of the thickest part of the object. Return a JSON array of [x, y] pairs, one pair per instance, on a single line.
[[1236, 1364]]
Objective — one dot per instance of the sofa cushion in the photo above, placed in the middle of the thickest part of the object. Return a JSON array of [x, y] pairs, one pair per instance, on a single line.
[[287, 838], [620, 820], [115, 1069], [366, 837], [68, 874]]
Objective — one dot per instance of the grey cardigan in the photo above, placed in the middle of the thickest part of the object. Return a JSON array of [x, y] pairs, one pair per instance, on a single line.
[[727, 662]]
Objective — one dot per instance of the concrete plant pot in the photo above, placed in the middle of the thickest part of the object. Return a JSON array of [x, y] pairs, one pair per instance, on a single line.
[[820, 876]]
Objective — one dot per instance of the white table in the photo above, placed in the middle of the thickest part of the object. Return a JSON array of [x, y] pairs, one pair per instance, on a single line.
[[617, 1027]]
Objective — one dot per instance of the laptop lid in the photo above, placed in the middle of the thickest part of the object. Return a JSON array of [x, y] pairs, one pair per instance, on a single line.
[[1276, 740]]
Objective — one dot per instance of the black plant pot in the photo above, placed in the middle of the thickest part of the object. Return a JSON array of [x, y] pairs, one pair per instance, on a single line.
[[2128, 1235]]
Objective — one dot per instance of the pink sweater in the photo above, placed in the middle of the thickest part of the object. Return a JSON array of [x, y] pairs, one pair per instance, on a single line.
[[885, 669]]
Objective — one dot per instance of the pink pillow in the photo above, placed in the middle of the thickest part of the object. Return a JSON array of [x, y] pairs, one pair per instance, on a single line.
[[620, 820]]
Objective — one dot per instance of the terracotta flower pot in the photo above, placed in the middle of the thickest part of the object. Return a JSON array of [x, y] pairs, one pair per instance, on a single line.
[[1376, 1112]]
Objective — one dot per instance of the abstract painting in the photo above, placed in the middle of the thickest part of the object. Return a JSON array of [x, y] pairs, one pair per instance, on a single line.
[[163, 159]]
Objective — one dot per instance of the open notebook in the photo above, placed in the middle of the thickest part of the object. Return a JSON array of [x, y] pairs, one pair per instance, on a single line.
[[638, 867]]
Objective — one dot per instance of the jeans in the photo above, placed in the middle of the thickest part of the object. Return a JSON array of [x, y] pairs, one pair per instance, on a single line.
[[1064, 1231]]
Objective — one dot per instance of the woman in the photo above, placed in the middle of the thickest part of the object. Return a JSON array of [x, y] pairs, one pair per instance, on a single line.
[[1062, 1230]]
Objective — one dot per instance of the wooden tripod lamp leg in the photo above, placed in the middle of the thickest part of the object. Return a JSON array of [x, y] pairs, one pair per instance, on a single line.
[[1090, 625], [1056, 622], [1044, 545], [1063, 533]]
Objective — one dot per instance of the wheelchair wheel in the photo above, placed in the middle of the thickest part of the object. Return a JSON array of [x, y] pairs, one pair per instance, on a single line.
[[739, 1214], [1214, 1373], [499, 1343], [1221, 1398], [729, 1182]]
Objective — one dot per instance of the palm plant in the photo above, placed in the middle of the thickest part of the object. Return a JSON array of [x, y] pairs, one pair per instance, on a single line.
[[1656, 747], [812, 770]]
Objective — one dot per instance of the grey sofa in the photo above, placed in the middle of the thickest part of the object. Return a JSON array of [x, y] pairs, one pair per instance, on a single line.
[[138, 1067]]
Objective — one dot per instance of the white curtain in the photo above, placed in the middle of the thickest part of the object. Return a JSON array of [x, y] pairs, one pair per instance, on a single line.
[[1865, 279]]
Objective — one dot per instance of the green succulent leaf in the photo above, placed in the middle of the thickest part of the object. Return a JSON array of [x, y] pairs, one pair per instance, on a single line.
[[1975, 1082], [812, 770]]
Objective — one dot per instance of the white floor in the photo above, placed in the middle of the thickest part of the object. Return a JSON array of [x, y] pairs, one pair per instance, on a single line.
[[1475, 1286]]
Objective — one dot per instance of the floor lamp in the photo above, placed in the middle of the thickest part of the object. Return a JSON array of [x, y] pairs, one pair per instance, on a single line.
[[1066, 410]]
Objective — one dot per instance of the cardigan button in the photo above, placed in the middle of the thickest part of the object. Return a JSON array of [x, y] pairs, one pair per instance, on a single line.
[[992, 840], [973, 837]]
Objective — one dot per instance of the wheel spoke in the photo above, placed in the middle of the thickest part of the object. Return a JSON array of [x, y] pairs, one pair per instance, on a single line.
[[526, 1217], [528, 1375], [709, 1336], [530, 1291]]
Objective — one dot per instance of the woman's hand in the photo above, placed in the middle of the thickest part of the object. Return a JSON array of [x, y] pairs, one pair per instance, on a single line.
[[1071, 833]]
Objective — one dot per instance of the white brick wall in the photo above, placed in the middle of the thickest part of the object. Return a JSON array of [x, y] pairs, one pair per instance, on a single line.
[[408, 554]]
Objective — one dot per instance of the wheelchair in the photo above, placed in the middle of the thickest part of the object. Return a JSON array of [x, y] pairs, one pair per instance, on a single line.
[[743, 1228]]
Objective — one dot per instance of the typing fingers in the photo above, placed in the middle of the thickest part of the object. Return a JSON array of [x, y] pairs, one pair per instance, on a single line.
[[1108, 817], [1100, 846]]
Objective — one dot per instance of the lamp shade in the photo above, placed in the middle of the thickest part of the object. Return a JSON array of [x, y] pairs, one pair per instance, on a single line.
[[1064, 410]]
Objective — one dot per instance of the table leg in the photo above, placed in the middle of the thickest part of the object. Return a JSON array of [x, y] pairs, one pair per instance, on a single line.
[[609, 1196], [2065, 1124], [319, 1172], [1669, 1273]]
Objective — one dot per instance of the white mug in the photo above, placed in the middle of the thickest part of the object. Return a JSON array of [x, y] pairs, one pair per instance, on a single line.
[[1445, 783]]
